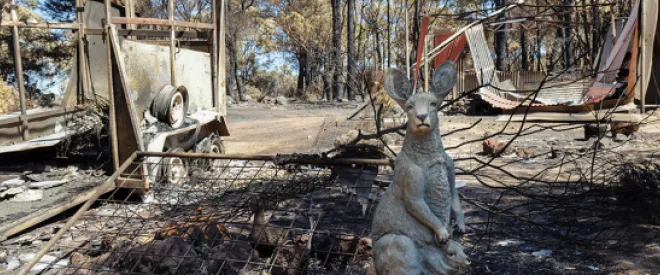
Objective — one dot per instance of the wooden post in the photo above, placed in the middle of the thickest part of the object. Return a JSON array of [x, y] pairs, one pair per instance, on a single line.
[[111, 93], [459, 68], [18, 66], [130, 13], [642, 74], [170, 11], [407, 43], [82, 65], [214, 55], [613, 22], [221, 56], [426, 64]]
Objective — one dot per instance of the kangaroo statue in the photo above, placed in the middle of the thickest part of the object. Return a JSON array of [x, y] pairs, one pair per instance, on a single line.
[[411, 225]]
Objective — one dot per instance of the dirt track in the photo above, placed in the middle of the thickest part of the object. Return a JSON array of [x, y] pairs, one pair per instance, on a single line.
[[271, 130]]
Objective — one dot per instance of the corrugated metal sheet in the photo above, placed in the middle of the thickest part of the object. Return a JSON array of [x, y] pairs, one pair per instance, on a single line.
[[497, 93], [482, 59], [503, 94]]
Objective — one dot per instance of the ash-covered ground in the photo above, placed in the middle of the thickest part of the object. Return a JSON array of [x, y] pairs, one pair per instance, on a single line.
[[544, 152]]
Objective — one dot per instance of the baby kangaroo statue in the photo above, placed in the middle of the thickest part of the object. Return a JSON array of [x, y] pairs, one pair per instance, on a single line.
[[411, 225]]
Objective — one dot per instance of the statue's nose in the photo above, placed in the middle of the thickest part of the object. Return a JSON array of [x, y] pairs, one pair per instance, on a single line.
[[421, 117]]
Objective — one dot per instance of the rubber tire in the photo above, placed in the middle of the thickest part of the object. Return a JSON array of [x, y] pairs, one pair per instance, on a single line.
[[161, 106], [216, 163], [165, 171]]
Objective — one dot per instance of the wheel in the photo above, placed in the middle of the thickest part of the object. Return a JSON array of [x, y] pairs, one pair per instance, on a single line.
[[217, 147], [171, 105], [174, 170], [176, 110]]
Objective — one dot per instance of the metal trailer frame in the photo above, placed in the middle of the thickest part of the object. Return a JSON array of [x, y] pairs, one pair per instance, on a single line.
[[124, 140]]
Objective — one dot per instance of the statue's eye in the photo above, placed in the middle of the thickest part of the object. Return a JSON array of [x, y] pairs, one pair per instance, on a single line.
[[433, 104], [409, 107], [451, 254]]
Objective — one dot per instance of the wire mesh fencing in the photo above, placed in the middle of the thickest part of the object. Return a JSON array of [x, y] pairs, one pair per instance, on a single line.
[[228, 216]]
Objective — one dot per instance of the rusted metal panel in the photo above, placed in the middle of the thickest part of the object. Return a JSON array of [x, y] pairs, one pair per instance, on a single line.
[[608, 73], [43, 123], [599, 91], [97, 58], [148, 66], [185, 34], [129, 133], [452, 51], [609, 43]]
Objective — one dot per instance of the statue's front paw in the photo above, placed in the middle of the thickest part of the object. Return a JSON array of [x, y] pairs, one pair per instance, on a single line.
[[441, 236], [460, 228]]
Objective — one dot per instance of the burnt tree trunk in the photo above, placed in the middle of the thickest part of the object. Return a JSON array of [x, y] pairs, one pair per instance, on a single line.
[[523, 49], [415, 35], [585, 25], [595, 36], [350, 66], [568, 34], [379, 51], [336, 43], [558, 47], [233, 56], [327, 87], [309, 75], [302, 73], [233, 60], [389, 38], [501, 34], [538, 41]]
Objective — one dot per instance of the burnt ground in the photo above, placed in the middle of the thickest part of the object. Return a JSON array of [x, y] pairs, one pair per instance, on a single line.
[[80, 177], [500, 252], [496, 244]]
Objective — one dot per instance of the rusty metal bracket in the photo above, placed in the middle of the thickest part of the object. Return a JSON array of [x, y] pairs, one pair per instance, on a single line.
[[25, 128]]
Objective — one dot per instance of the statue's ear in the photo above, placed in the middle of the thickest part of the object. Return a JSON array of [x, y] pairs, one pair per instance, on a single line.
[[443, 79], [398, 86]]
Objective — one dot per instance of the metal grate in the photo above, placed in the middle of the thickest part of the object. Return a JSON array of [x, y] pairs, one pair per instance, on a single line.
[[318, 218]]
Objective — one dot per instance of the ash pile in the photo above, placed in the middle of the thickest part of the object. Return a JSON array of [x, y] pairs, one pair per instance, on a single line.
[[238, 217]]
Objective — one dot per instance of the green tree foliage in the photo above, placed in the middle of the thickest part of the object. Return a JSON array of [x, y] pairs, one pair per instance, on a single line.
[[45, 54], [552, 35]]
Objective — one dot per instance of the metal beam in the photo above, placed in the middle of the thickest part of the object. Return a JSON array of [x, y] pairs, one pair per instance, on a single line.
[[161, 22], [302, 160], [153, 33], [170, 12], [111, 94], [18, 65], [47, 25], [38, 115], [82, 65]]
